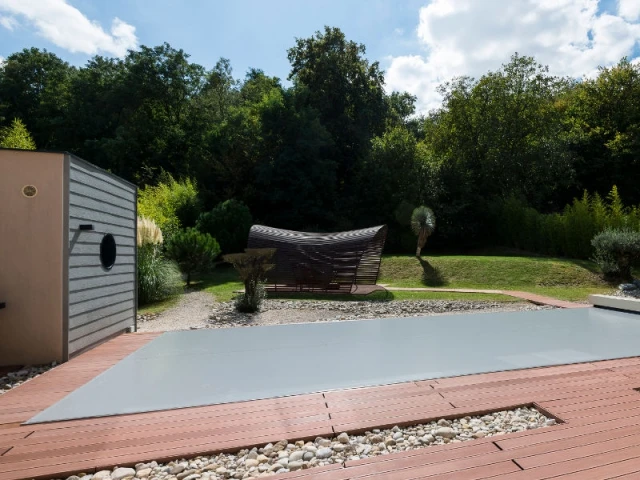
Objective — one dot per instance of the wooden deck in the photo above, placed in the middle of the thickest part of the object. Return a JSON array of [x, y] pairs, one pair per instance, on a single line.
[[600, 437]]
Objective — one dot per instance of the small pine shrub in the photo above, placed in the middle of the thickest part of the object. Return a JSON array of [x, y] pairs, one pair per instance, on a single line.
[[229, 222], [617, 251], [193, 251], [16, 136]]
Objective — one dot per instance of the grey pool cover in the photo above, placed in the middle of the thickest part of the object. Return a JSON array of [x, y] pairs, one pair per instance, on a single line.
[[205, 367]]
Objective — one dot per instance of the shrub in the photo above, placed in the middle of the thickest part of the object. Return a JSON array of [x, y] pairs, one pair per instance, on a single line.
[[193, 251], [158, 278], [617, 251], [229, 222], [252, 265], [568, 233], [171, 204]]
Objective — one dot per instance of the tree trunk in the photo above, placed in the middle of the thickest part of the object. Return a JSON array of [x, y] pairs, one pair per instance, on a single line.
[[422, 240]]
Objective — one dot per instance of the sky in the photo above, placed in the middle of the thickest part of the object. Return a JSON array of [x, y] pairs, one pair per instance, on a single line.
[[419, 43]]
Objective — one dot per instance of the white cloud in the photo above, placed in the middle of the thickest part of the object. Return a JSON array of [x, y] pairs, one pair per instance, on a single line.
[[471, 37], [67, 27], [629, 9], [9, 23]]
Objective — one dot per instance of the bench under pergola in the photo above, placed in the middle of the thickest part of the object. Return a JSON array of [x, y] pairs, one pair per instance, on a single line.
[[341, 262]]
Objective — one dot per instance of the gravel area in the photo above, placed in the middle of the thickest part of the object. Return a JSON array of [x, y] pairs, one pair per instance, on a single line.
[[285, 456], [13, 379], [199, 310], [192, 311]]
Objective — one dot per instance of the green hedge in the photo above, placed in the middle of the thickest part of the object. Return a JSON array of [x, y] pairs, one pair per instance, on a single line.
[[568, 233]]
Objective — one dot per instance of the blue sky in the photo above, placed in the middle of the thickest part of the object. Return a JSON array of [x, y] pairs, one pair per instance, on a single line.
[[251, 33], [420, 43]]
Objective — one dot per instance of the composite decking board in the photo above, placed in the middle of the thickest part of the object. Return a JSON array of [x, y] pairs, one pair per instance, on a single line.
[[124, 439], [518, 383], [150, 434], [600, 432], [389, 403], [409, 462], [581, 384], [591, 401], [544, 395]]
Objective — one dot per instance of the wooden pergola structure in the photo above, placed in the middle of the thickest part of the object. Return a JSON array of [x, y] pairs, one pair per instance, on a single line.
[[341, 262]]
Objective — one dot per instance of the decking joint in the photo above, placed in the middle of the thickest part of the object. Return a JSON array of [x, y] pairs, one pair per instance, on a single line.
[[6, 451], [497, 446], [517, 464]]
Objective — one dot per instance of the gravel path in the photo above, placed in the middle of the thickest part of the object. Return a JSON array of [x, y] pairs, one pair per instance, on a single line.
[[285, 456], [192, 311], [199, 310]]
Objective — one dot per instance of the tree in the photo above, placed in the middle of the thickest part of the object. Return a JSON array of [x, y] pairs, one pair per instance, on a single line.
[[392, 170], [34, 87], [604, 118], [296, 178], [347, 91], [423, 224], [193, 251], [16, 136]]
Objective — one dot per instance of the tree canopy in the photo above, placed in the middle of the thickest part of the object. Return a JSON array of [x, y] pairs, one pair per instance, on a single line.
[[334, 149]]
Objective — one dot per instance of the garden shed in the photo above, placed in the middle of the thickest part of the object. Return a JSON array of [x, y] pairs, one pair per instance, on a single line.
[[321, 262], [67, 256]]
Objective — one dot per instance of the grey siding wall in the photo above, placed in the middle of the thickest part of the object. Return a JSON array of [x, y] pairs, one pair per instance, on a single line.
[[101, 302]]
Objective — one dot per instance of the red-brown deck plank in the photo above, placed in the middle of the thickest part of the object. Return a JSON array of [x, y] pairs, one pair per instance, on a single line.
[[596, 400]]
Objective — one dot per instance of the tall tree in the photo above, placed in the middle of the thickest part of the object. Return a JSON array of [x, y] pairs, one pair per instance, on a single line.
[[34, 87], [347, 92], [604, 114]]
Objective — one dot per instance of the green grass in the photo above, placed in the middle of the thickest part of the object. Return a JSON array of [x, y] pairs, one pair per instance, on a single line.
[[560, 278], [223, 282], [159, 307]]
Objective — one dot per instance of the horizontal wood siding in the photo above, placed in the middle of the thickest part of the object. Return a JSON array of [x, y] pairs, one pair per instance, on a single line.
[[101, 301]]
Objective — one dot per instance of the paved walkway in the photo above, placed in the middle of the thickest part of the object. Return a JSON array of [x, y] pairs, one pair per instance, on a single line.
[[531, 297]]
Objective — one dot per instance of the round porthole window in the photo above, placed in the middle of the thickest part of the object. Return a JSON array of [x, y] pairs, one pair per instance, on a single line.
[[108, 251], [29, 191]]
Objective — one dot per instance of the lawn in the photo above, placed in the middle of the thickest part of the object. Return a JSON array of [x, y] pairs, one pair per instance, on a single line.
[[555, 277]]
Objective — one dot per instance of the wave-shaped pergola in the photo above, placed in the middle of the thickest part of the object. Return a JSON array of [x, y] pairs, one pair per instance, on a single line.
[[341, 262]]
